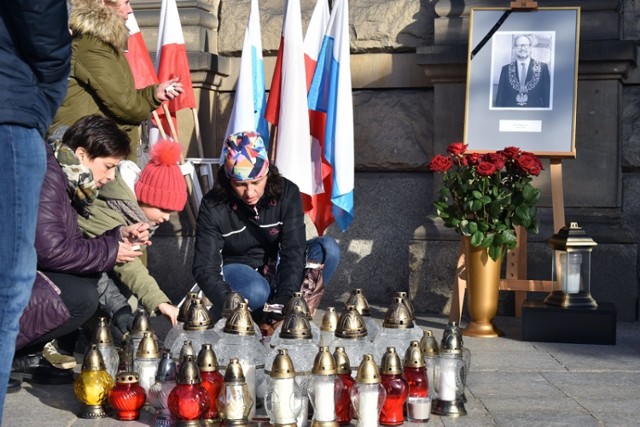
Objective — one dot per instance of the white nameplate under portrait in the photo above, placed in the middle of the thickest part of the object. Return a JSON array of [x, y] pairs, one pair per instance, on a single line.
[[520, 126]]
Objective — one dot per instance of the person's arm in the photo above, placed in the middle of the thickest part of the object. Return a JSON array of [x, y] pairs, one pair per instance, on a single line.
[[42, 36], [292, 245], [107, 74], [207, 257]]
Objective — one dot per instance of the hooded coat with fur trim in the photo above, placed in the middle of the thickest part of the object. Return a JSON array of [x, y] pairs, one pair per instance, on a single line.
[[101, 81]]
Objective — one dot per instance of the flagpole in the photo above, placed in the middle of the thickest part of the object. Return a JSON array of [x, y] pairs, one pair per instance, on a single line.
[[163, 134], [196, 127], [172, 128], [272, 145]]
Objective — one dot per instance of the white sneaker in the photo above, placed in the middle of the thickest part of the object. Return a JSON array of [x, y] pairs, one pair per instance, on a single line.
[[61, 361]]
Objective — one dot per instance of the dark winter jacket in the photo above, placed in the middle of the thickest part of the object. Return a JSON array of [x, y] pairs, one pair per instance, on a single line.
[[232, 233], [60, 245], [34, 56]]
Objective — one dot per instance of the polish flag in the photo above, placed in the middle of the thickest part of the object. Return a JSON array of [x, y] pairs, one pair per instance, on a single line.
[[250, 100], [144, 74], [287, 104], [171, 59], [331, 93], [318, 207]]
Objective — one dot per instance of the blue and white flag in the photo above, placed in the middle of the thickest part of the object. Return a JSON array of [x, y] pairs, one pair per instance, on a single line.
[[330, 92], [250, 100]]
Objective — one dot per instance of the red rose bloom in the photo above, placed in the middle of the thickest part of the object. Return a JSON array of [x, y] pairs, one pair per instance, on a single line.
[[486, 169], [529, 164], [456, 148], [511, 152], [496, 158], [472, 159], [535, 158], [440, 163]]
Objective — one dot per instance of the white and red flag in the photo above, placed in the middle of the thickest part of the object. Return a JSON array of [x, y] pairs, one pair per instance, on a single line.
[[287, 104], [137, 54], [171, 59]]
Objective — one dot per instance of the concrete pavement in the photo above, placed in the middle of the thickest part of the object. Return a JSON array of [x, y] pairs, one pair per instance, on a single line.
[[510, 383]]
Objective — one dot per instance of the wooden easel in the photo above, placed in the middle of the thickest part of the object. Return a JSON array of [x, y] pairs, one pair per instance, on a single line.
[[516, 259]]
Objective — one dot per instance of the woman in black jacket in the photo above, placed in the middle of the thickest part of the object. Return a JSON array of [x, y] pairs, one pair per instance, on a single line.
[[250, 235]]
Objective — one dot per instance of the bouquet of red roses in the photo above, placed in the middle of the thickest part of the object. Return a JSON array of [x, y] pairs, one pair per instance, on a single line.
[[485, 196]]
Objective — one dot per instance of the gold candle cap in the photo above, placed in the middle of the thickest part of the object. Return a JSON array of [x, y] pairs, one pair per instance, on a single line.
[[148, 347], [368, 372], [324, 363], [183, 313], [231, 303], [343, 365], [140, 323], [189, 372], [186, 350], [93, 360], [390, 364], [428, 344], [451, 344], [407, 302], [358, 299], [296, 326], [398, 316], [240, 321], [234, 373], [282, 365], [207, 360], [127, 377], [329, 320], [413, 356], [351, 324], [198, 317], [297, 301], [102, 333], [452, 328]]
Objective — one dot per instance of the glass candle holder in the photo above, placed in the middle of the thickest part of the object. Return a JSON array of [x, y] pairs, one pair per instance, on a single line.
[[146, 361], [93, 385], [368, 394], [396, 387], [159, 392], [127, 397], [188, 401], [283, 400], [344, 409], [234, 401]]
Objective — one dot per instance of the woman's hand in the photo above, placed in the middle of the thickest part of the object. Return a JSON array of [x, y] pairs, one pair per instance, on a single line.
[[127, 253], [136, 234], [166, 91], [170, 311]]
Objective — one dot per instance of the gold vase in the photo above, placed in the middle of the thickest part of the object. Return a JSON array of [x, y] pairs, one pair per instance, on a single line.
[[483, 282]]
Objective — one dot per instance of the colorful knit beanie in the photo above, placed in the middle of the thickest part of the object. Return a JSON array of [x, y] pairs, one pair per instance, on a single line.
[[161, 183], [245, 156]]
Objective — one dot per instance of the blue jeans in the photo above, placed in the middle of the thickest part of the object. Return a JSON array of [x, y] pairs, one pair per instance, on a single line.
[[255, 288], [22, 168]]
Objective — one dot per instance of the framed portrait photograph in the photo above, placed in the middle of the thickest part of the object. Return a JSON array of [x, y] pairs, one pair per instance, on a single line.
[[522, 80]]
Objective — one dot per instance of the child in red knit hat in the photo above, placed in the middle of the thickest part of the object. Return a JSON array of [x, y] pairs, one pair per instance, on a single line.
[[150, 195]]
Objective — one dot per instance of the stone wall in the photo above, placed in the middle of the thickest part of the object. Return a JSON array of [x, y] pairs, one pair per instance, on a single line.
[[400, 121]]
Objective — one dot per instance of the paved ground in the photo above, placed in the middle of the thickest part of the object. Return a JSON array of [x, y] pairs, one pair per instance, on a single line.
[[511, 383]]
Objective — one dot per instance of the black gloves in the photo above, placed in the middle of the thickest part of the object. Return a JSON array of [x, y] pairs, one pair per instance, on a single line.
[[121, 323]]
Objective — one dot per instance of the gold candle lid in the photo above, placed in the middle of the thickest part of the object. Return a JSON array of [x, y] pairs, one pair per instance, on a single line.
[[198, 317], [451, 344], [297, 301], [351, 324], [148, 347], [189, 372], [324, 364], [127, 377], [368, 371], [343, 365], [234, 373], [102, 333], [398, 316], [390, 364], [231, 303], [358, 299], [407, 302], [329, 320], [93, 360], [282, 365], [296, 326], [186, 350], [207, 360], [140, 323], [413, 356], [428, 344], [184, 308], [240, 321]]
